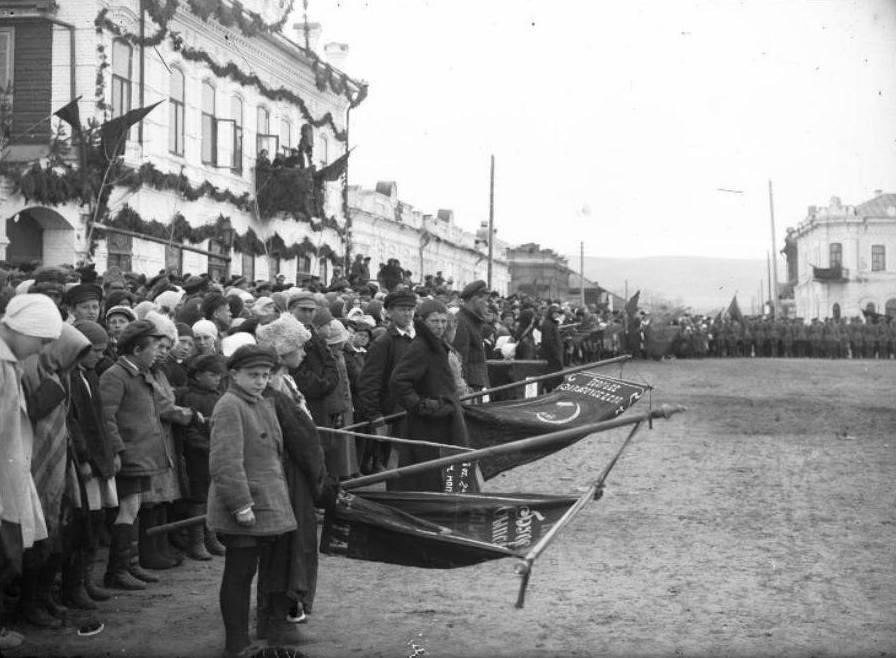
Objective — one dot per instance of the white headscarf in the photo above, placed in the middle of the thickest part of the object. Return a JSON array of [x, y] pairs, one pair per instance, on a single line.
[[33, 315]]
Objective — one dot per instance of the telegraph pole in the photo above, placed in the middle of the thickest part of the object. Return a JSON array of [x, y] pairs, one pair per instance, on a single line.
[[491, 220], [774, 287], [582, 273]]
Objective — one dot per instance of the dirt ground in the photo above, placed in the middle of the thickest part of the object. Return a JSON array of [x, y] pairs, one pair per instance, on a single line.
[[759, 523]]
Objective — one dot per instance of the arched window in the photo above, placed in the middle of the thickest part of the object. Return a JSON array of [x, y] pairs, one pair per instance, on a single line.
[[208, 123], [176, 112], [236, 113], [285, 136], [122, 64], [890, 307], [878, 258], [835, 311]]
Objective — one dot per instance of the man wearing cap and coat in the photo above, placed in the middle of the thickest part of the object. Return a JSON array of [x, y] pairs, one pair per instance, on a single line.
[[468, 337], [374, 393], [317, 375]]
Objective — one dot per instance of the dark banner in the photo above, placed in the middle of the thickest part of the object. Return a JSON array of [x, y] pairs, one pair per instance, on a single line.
[[583, 398], [438, 530]]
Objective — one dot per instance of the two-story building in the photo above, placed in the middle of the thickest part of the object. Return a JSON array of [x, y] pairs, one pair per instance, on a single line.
[[189, 190], [539, 272], [840, 259], [384, 227]]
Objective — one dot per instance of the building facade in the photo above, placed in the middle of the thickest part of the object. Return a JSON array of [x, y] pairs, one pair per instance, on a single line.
[[384, 227], [188, 190], [539, 272], [840, 259]]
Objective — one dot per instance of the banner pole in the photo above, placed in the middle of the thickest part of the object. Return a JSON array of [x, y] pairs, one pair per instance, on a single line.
[[504, 387], [595, 491], [540, 441], [395, 439]]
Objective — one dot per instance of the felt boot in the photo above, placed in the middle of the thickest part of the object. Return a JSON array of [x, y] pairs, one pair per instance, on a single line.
[[147, 546], [163, 541], [279, 630], [118, 575], [212, 543], [74, 595], [93, 590], [196, 550], [31, 606]]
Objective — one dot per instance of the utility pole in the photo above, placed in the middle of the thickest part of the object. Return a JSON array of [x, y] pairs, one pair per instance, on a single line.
[[774, 288], [491, 220], [582, 273], [768, 263]]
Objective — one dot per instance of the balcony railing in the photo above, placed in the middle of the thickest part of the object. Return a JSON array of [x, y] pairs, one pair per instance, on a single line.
[[290, 190], [835, 274]]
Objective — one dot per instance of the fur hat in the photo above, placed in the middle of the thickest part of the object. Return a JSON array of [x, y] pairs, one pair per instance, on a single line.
[[230, 344], [333, 332], [144, 307], [206, 328], [164, 325], [169, 299], [283, 335]]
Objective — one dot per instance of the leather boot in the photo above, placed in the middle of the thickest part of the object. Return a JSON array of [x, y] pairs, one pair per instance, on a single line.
[[118, 574], [93, 590], [32, 608], [134, 561], [196, 549], [73, 593], [147, 549], [212, 544]]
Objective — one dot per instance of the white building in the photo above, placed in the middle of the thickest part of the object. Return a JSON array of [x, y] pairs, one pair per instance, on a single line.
[[384, 227], [840, 259], [229, 83]]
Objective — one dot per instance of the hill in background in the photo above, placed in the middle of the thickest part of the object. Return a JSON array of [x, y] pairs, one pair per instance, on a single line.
[[704, 284]]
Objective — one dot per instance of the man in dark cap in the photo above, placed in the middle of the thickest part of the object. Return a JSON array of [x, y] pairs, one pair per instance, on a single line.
[[468, 337], [552, 345], [216, 308], [83, 301], [317, 375], [374, 393]]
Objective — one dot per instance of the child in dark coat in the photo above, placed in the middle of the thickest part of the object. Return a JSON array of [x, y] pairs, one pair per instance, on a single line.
[[201, 394]]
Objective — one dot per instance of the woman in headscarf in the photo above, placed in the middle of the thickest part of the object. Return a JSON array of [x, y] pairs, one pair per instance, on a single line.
[[340, 450]]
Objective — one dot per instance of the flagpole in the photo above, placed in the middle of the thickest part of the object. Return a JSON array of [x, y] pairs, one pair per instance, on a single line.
[[595, 491], [531, 443], [504, 387], [491, 220]]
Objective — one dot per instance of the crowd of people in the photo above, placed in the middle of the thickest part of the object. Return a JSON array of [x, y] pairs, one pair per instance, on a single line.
[[131, 402]]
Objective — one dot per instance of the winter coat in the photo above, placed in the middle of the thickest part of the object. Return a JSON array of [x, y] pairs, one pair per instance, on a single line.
[[374, 394], [132, 416], [423, 384], [468, 342], [195, 437], [86, 422], [316, 377], [551, 351], [18, 496], [246, 466]]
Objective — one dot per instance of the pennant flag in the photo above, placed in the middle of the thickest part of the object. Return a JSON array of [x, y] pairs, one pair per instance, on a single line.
[[438, 530], [583, 398], [70, 114], [333, 170], [734, 310], [113, 133]]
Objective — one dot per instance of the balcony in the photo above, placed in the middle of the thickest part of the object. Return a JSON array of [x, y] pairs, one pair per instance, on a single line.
[[835, 274], [290, 190]]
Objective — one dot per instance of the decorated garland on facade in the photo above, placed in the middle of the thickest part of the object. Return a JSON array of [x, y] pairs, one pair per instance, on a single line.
[[235, 16], [248, 22], [179, 231]]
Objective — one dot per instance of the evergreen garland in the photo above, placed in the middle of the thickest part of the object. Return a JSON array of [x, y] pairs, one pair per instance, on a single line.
[[179, 231], [248, 22]]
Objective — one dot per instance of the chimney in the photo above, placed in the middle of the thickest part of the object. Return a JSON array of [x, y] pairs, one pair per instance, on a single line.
[[314, 31], [336, 54]]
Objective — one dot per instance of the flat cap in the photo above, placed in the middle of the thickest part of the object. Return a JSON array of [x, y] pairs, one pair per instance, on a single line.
[[206, 363], [135, 331], [400, 298], [303, 300], [471, 290], [211, 303], [249, 356], [195, 284]]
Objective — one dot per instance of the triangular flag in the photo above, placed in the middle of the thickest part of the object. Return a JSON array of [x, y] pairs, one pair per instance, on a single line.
[[114, 132], [70, 114], [333, 170]]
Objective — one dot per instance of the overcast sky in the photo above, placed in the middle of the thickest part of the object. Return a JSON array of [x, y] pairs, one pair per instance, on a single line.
[[615, 123]]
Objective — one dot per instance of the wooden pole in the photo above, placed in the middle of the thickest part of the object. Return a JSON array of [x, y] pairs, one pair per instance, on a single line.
[[395, 439], [540, 441], [774, 286], [504, 387], [582, 273], [491, 220], [595, 490]]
